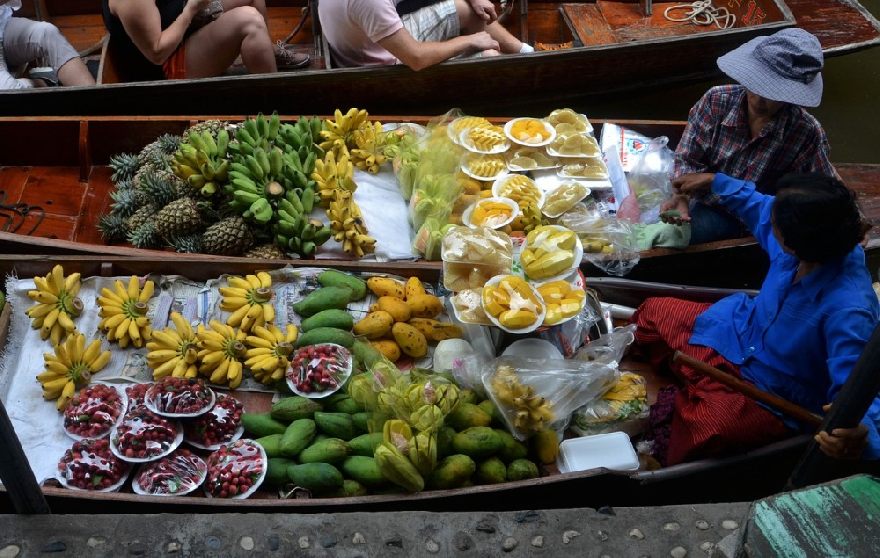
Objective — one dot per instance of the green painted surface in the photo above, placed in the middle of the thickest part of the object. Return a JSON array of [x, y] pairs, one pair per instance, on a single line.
[[827, 520]]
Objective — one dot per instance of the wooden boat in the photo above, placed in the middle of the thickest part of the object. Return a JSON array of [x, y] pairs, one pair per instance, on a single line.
[[613, 47], [58, 164], [748, 476]]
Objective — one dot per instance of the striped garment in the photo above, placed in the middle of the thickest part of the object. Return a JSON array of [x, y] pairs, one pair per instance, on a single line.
[[709, 418], [717, 139], [437, 22]]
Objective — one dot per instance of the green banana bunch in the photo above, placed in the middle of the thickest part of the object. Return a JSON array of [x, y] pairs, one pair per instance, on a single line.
[[202, 162], [293, 229], [254, 133]]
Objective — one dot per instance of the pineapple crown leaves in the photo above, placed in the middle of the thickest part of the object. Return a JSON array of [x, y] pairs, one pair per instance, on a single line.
[[187, 243], [112, 228], [159, 188], [144, 236], [123, 165], [125, 202]]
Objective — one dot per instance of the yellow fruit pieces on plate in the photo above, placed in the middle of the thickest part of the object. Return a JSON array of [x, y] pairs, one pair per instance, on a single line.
[[566, 122], [459, 125], [484, 139], [530, 159], [512, 304], [483, 167], [493, 213], [519, 188], [550, 252], [564, 301], [530, 131], [564, 198], [577, 145], [586, 169]]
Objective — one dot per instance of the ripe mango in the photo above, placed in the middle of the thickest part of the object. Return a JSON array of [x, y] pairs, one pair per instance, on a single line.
[[414, 288], [388, 348], [398, 309], [385, 286], [435, 330], [374, 325], [424, 306], [411, 340]]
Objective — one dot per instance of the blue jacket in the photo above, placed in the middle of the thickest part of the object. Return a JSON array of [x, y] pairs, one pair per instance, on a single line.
[[799, 341]]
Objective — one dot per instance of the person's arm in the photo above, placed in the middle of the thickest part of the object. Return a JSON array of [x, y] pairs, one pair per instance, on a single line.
[[419, 55], [143, 24], [690, 155], [813, 156], [485, 10], [846, 333]]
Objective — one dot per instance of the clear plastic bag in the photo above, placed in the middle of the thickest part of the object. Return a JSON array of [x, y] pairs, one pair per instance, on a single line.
[[609, 348], [533, 395], [650, 178], [609, 243], [624, 408]]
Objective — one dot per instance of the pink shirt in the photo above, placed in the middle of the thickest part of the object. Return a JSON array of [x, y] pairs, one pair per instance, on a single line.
[[353, 27]]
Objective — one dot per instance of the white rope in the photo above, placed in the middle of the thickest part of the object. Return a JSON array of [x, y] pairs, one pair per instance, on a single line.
[[702, 12]]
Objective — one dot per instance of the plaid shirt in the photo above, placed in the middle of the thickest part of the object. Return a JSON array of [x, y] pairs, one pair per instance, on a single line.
[[717, 139]]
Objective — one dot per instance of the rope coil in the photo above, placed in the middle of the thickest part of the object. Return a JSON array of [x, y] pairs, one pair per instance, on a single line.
[[702, 12]]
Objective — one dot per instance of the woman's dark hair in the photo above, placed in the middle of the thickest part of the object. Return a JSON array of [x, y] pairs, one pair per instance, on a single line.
[[817, 216]]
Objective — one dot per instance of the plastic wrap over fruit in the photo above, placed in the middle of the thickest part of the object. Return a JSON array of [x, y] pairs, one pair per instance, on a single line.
[[423, 452], [174, 475], [533, 395], [609, 243]]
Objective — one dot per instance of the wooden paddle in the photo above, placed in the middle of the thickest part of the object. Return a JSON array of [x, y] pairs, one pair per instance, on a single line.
[[784, 405]]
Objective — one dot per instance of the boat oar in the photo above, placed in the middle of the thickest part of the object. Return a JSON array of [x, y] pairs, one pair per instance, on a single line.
[[736, 384]]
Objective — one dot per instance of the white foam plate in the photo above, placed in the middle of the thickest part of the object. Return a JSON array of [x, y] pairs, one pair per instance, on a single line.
[[465, 141], [612, 451], [259, 481], [578, 256], [555, 215], [466, 215], [138, 489], [122, 397], [340, 381], [174, 445], [498, 185], [497, 279], [547, 126], [151, 405]]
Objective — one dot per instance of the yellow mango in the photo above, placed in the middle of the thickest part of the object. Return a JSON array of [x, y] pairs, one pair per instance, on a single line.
[[424, 306], [388, 348], [414, 287], [398, 309], [374, 325], [385, 286], [517, 319], [435, 330], [410, 340]]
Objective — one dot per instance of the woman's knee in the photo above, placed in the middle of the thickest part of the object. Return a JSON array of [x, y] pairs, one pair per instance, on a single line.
[[247, 20]]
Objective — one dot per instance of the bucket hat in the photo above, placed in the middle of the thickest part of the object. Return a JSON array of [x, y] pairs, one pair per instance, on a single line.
[[784, 67]]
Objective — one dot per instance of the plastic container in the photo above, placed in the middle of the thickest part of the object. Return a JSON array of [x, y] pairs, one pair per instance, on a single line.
[[612, 451], [94, 460], [528, 329], [467, 305], [504, 188], [491, 222], [242, 458], [532, 348], [574, 146], [551, 133], [474, 159], [170, 395], [481, 245], [175, 475], [465, 141], [335, 362], [89, 411]]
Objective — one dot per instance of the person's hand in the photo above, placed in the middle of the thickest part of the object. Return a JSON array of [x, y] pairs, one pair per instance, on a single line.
[[195, 6], [675, 210], [843, 443], [483, 41], [485, 10], [690, 184]]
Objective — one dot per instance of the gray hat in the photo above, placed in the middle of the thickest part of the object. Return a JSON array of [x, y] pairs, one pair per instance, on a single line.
[[785, 67]]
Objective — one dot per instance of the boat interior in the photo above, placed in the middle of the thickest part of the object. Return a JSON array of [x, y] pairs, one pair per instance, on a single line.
[[547, 25]]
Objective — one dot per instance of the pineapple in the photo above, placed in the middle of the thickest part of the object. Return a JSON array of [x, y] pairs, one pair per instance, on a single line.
[[180, 217], [212, 126], [189, 244], [145, 236], [123, 166], [229, 237], [266, 252], [112, 227], [125, 202], [159, 188], [141, 216], [168, 143]]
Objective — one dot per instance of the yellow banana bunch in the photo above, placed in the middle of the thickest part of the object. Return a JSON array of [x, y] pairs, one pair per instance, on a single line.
[[532, 413], [337, 131], [269, 352], [221, 350], [124, 312], [367, 152], [56, 304], [347, 225], [174, 351], [70, 368], [249, 299], [334, 172]]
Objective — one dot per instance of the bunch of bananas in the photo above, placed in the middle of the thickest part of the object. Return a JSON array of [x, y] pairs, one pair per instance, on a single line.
[[268, 355], [302, 137], [249, 299], [173, 351], [70, 368], [221, 349], [368, 151], [529, 218], [337, 132], [56, 304], [124, 312], [201, 161], [253, 133], [531, 412], [333, 173], [348, 225]]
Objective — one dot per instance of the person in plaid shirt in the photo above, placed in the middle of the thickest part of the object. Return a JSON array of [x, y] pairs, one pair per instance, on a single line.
[[756, 130]]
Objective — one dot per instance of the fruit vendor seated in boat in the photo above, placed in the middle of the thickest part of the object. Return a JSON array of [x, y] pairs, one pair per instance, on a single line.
[[756, 130], [365, 32], [799, 338], [196, 38], [23, 41]]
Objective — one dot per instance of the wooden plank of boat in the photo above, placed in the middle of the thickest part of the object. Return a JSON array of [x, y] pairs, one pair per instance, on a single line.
[[626, 55], [58, 164], [706, 480]]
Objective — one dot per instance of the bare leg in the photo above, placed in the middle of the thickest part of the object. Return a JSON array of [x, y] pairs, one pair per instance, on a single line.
[[470, 23], [260, 5], [213, 48], [508, 43], [74, 72]]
